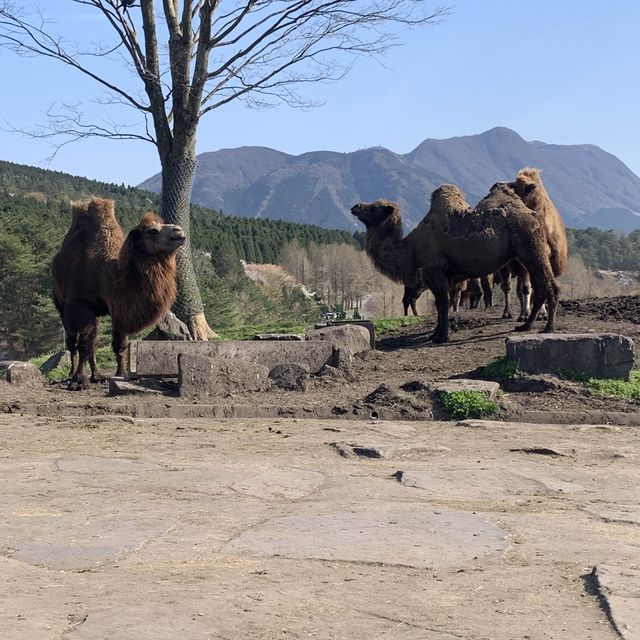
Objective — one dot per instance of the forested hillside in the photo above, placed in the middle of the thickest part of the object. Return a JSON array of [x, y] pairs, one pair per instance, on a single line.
[[35, 214]]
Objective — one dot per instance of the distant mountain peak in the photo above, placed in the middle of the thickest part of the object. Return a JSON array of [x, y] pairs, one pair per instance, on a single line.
[[589, 186]]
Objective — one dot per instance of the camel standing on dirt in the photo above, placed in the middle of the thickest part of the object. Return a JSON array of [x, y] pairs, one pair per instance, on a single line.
[[529, 187], [450, 244], [99, 272]]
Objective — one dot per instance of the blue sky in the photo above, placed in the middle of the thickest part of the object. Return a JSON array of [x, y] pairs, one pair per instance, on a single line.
[[563, 72]]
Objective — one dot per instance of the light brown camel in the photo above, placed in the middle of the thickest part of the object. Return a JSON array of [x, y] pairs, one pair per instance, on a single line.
[[450, 244], [529, 187], [99, 272]]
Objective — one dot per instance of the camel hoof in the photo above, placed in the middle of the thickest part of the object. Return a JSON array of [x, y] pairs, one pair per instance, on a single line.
[[439, 338], [95, 378], [507, 316], [523, 327], [76, 384], [547, 330]]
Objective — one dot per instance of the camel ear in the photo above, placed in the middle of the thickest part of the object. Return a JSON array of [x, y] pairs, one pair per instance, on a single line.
[[388, 209], [135, 235]]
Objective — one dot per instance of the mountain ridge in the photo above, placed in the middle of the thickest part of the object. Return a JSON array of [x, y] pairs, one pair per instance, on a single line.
[[590, 186]]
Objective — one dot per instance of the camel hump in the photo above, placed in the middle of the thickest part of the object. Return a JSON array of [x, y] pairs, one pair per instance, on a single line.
[[531, 174], [99, 211], [448, 198]]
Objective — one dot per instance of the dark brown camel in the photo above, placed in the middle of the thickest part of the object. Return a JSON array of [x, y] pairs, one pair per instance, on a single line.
[[99, 272]]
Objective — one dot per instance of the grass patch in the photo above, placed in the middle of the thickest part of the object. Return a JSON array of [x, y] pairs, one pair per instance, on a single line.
[[501, 369], [391, 326], [461, 405], [625, 389], [104, 357], [249, 331]]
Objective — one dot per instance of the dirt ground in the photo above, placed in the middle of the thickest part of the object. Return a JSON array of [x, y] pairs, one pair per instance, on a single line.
[[117, 524], [404, 363]]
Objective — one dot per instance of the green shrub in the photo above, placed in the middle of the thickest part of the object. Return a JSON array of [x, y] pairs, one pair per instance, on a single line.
[[626, 389], [501, 369], [461, 405]]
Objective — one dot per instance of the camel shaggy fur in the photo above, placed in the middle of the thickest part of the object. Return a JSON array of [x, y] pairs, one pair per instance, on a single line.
[[453, 243], [99, 272]]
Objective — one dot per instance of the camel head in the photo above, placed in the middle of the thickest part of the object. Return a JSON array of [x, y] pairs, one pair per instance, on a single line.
[[376, 213], [447, 198], [155, 238], [528, 186]]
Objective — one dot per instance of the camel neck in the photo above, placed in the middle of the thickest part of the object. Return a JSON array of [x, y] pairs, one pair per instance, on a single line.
[[389, 251]]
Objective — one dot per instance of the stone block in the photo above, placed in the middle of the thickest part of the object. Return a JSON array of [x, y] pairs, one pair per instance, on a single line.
[[490, 389], [21, 373], [201, 376], [287, 337], [291, 376], [348, 339], [160, 358], [604, 355], [367, 324]]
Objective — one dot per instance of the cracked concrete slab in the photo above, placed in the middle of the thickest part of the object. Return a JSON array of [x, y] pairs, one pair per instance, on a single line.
[[66, 545], [425, 539], [483, 484]]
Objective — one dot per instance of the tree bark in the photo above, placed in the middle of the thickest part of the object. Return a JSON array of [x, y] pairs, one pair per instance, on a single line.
[[178, 172]]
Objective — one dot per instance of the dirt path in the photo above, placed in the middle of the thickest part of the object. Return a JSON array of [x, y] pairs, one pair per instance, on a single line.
[[158, 529]]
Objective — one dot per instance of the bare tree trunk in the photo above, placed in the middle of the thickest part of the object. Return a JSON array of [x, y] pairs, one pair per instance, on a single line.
[[178, 172]]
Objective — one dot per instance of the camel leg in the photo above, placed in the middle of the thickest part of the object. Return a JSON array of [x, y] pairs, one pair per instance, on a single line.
[[71, 340], [119, 345], [551, 300], [545, 288], [505, 285], [523, 289], [406, 302], [82, 322], [455, 297], [440, 288], [487, 291], [413, 307], [96, 376]]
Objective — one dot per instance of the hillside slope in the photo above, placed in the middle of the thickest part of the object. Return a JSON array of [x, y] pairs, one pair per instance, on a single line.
[[590, 186]]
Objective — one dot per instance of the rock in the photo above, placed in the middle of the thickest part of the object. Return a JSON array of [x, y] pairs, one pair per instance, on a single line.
[[367, 324], [170, 328], [347, 340], [160, 358], [490, 389], [119, 386], [292, 376], [203, 376], [387, 451], [595, 355], [618, 588], [298, 337], [59, 359], [21, 373]]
